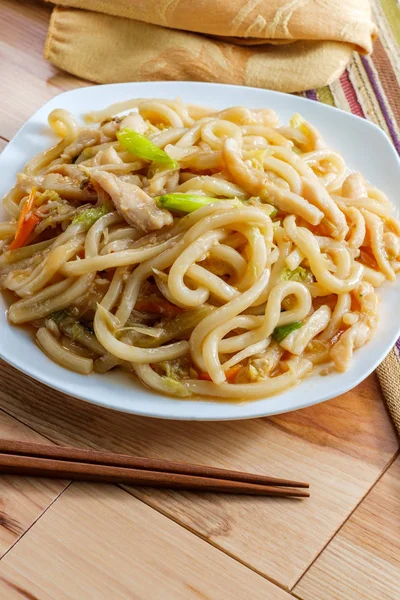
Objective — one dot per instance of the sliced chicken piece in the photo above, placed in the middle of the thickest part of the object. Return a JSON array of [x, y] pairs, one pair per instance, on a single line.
[[163, 182], [135, 179], [134, 121], [132, 203], [87, 137], [69, 170], [109, 129], [65, 186], [109, 157]]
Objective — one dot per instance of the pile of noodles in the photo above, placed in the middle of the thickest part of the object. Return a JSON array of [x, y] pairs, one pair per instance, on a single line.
[[274, 273]]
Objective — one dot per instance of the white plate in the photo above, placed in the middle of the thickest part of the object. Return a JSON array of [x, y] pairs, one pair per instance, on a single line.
[[364, 147]]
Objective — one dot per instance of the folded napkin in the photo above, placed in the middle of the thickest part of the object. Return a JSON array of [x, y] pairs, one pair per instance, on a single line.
[[286, 45]]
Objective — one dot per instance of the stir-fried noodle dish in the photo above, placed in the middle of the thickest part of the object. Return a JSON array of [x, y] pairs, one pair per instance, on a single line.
[[214, 253]]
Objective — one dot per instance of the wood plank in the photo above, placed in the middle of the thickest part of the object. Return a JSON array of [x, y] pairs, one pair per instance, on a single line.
[[22, 500], [363, 560], [98, 542], [27, 80], [340, 446]]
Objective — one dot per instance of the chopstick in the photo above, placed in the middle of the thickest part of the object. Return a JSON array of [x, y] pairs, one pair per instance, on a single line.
[[42, 460], [70, 453]]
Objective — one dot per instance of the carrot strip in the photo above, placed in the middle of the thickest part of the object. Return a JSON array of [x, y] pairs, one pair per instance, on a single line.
[[230, 374], [26, 222], [29, 226]]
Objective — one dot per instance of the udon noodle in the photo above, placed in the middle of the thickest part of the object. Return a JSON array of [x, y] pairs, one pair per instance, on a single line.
[[211, 253]]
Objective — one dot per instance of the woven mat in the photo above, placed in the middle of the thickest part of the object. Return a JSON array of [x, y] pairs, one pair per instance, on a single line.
[[370, 88]]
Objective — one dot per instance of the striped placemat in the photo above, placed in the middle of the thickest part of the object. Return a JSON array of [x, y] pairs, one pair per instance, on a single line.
[[370, 88]]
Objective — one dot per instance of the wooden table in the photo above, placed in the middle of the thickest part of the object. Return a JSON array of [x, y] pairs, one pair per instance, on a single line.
[[63, 540]]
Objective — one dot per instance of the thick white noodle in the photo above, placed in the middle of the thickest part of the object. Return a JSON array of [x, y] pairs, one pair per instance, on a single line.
[[277, 274]]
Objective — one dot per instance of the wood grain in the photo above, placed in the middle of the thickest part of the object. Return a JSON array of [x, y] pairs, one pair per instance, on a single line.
[[281, 538], [98, 542], [22, 500], [95, 457], [363, 560], [27, 80]]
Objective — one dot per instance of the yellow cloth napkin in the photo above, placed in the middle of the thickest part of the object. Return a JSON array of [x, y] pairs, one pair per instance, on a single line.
[[287, 45]]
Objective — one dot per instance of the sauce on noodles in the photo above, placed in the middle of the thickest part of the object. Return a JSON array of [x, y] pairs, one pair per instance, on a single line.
[[213, 253]]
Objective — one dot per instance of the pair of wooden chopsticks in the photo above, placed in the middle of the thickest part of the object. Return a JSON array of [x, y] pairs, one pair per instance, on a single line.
[[62, 462]]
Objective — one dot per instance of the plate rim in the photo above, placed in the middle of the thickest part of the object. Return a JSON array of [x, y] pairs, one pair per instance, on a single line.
[[252, 408]]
